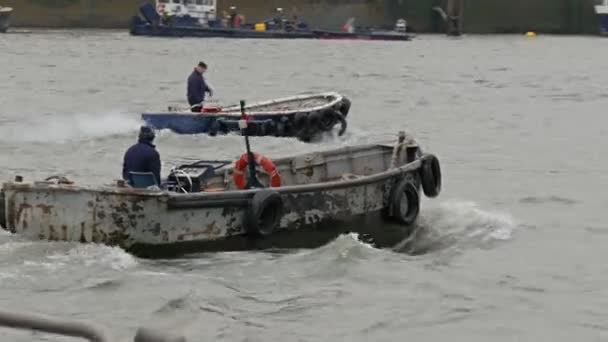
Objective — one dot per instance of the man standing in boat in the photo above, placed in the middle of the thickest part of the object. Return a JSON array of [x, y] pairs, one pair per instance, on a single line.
[[197, 88], [143, 156]]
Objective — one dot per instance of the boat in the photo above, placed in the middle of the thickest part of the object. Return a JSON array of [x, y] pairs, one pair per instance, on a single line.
[[301, 201], [188, 21], [350, 31], [302, 116], [602, 12], [5, 17]]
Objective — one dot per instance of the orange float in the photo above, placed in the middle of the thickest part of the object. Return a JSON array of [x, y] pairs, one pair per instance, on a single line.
[[241, 165]]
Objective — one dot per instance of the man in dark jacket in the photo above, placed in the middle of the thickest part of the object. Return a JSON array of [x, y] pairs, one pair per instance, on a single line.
[[197, 87], [143, 156]]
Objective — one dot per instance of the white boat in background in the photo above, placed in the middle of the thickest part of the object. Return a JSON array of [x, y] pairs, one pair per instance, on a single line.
[[5, 18], [601, 9]]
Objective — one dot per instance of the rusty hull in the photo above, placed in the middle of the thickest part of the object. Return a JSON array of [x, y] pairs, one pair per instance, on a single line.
[[357, 182]]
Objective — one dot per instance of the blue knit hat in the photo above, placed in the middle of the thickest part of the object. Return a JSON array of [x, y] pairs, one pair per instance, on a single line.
[[146, 134]]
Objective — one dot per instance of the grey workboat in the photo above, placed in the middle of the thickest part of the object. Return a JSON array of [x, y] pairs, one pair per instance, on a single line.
[[300, 201]]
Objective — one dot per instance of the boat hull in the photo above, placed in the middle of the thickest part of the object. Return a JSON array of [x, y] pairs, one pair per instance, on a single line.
[[300, 116], [145, 29], [321, 193], [392, 36]]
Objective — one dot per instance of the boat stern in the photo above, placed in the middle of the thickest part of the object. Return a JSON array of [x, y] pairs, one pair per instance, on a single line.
[[65, 212]]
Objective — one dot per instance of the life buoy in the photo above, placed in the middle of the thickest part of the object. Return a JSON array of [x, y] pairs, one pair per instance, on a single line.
[[238, 173]]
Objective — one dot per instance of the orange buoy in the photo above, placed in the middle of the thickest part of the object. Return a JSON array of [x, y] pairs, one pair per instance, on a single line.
[[238, 173]]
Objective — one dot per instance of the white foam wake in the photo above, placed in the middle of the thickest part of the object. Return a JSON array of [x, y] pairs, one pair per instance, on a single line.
[[66, 128]]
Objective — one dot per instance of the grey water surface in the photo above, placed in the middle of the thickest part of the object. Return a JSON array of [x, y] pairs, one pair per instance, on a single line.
[[514, 249]]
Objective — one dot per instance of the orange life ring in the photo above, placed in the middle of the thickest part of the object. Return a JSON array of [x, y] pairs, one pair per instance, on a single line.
[[239, 170]]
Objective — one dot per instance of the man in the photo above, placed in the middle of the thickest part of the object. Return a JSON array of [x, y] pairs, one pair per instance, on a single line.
[[143, 156], [197, 87], [235, 18]]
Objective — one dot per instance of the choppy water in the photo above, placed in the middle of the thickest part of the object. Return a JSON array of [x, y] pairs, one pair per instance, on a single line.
[[513, 250]]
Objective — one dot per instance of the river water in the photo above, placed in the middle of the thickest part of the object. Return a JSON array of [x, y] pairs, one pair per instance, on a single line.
[[513, 249]]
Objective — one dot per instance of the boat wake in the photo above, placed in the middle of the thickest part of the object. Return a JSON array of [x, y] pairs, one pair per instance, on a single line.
[[68, 128], [25, 259], [455, 226]]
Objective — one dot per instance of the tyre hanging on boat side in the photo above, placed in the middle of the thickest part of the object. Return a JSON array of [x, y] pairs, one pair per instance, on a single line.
[[301, 124], [404, 202], [343, 125], [264, 214], [327, 120], [430, 176], [345, 107]]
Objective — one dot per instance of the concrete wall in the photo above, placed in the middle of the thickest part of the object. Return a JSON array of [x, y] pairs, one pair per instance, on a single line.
[[481, 16]]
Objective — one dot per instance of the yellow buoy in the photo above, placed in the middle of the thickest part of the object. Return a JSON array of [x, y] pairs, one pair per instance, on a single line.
[[260, 27], [530, 34]]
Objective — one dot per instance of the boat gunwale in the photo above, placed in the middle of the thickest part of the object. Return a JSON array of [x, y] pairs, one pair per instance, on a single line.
[[234, 110], [224, 195]]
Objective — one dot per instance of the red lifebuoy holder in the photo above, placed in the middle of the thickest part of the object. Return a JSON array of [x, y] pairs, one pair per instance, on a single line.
[[239, 170]]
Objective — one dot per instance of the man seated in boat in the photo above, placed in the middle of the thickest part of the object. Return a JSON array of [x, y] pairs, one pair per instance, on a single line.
[[143, 156], [197, 88]]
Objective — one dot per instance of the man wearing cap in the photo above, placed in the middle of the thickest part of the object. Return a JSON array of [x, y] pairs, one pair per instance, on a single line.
[[143, 156], [197, 87]]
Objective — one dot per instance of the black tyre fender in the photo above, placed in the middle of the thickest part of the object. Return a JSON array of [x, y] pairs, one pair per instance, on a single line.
[[270, 128], [302, 126], [3, 210], [342, 120], [404, 202], [345, 107], [264, 214], [280, 131], [430, 176], [301, 122], [222, 126], [314, 121], [214, 128], [327, 120]]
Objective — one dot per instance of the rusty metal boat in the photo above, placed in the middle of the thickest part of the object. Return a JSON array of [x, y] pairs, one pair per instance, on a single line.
[[200, 208]]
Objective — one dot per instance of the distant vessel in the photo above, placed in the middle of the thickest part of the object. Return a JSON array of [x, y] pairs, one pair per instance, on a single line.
[[602, 12], [5, 18]]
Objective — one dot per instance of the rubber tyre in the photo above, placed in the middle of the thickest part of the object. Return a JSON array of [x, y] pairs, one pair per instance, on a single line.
[[345, 107], [327, 120], [404, 202], [3, 210], [430, 176], [302, 126], [280, 131], [214, 127], [264, 214], [343, 125]]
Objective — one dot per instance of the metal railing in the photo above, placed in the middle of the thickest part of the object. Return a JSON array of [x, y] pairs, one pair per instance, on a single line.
[[89, 331]]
